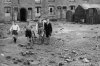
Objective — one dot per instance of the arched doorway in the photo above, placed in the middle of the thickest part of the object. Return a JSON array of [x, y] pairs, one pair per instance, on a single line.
[[69, 15], [23, 14]]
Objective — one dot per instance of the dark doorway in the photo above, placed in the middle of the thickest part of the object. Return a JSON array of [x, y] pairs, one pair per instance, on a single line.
[[23, 14]]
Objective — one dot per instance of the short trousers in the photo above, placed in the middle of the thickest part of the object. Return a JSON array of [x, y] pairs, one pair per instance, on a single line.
[[48, 34], [14, 32], [28, 33]]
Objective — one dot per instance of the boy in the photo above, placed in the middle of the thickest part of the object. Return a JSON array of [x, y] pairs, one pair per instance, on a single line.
[[28, 32], [40, 30], [14, 29], [48, 30]]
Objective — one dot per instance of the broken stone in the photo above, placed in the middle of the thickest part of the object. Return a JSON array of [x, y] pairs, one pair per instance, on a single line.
[[84, 37], [8, 57], [19, 61], [74, 59], [68, 60], [29, 47], [61, 28], [14, 59], [26, 62], [15, 62], [22, 54], [59, 39], [51, 62], [2, 54], [61, 64], [22, 60], [20, 45], [66, 50], [61, 56], [85, 60], [34, 62], [81, 58], [72, 55], [92, 29], [68, 57], [52, 54], [74, 52]]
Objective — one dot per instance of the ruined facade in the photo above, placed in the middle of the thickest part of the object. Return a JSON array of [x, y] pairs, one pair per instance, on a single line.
[[24, 10]]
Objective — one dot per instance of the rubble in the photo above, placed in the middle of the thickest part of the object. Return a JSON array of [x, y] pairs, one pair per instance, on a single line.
[[61, 64], [8, 57], [27, 53], [85, 60], [2, 54], [60, 51], [34, 62]]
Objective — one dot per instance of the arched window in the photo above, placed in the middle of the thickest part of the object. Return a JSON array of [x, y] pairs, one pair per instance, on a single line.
[[64, 7], [7, 9], [38, 11], [30, 13], [51, 10]]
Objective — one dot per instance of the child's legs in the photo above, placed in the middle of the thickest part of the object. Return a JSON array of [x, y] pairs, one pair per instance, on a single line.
[[14, 38], [40, 39], [48, 39], [30, 39], [27, 38]]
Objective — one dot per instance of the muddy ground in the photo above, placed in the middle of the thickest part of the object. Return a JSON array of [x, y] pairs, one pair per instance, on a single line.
[[70, 45]]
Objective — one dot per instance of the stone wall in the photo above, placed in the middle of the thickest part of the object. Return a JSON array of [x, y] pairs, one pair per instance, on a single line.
[[44, 6]]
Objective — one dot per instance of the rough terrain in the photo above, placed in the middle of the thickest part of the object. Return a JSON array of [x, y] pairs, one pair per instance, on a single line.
[[70, 45]]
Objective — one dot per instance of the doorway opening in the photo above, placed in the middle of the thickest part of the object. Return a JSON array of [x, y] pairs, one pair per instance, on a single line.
[[23, 14]]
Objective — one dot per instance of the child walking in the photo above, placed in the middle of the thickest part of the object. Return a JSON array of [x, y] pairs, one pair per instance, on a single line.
[[14, 29], [40, 30]]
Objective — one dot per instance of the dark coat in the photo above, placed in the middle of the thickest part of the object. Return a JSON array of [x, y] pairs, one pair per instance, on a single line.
[[48, 29]]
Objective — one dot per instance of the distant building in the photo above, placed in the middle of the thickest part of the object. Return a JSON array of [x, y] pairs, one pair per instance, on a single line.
[[23, 10]]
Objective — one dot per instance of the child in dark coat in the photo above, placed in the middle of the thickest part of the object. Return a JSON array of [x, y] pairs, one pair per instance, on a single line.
[[48, 30], [28, 32]]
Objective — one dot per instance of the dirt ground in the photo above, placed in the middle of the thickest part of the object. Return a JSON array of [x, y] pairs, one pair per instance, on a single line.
[[70, 45]]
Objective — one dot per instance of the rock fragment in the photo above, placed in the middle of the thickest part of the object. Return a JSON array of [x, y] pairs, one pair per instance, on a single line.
[[8, 57], [2, 54], [84, 60], [61, 64]]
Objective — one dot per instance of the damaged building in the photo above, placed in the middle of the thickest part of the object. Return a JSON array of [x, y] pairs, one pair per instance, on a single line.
[[23, 10]]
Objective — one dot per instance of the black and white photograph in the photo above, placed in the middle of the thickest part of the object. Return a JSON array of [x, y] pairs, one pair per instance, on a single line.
[[49, 32]]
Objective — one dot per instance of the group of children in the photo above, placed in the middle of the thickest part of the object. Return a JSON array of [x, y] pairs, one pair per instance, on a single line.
[[43, 30]]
